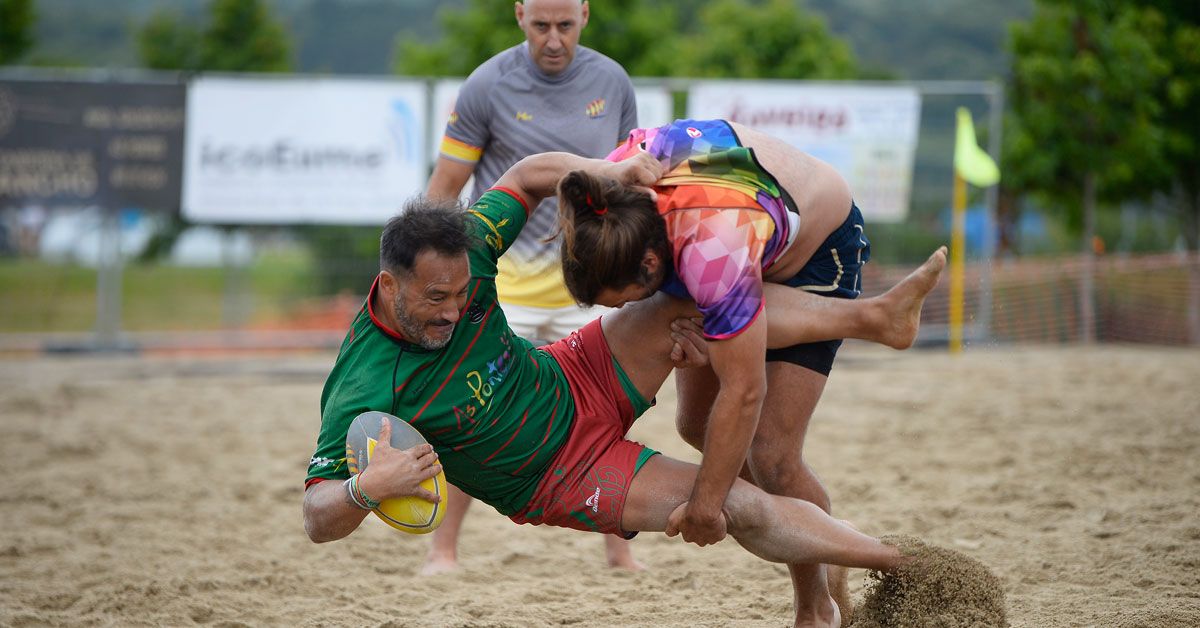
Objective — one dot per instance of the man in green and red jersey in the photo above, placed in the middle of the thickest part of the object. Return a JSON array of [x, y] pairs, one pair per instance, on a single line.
[[536, 433], [548, 93]]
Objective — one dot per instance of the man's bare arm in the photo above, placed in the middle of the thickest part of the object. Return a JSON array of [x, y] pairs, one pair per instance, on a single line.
[[536, 177], [738, 364], [329, 514], [448, 178]]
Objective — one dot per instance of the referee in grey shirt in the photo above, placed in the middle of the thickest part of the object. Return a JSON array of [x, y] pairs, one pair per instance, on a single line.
[[546, 94]]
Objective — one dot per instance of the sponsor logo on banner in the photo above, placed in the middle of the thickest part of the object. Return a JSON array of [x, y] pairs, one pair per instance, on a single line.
[[404, 131], [336, 151]]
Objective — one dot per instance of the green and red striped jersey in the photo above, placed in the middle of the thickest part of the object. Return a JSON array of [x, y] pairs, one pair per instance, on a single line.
[[495, 409]]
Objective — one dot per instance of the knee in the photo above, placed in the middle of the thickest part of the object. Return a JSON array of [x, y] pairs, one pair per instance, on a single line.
[[691, 429], [775, 460], [781, 470]]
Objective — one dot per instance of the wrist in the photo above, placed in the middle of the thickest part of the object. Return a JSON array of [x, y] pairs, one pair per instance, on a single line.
[[700, 510], [357, 495]]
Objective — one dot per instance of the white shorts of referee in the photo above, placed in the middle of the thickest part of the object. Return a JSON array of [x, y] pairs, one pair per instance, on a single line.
[[542, 325]]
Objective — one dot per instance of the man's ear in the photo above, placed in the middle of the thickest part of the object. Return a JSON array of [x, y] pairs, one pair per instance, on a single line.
[[585, 15], [519, 11], [389, 286]]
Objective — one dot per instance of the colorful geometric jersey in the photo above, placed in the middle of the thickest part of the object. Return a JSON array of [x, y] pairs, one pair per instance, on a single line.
[[495, 409], [508, 109], [726, 219]]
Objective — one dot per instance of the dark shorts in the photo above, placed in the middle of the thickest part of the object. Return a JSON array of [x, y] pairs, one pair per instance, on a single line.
[[834, 270], [587, 481]]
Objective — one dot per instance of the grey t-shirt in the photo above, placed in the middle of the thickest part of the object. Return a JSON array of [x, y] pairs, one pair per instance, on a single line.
[[509, 109]]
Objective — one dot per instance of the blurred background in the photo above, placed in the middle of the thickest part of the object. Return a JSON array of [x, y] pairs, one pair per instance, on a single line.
[[109, 238]]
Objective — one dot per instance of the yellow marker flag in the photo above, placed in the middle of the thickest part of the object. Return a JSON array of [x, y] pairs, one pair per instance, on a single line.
[[971, 162]]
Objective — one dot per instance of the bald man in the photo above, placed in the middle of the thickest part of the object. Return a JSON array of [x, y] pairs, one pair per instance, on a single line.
[[545, 94]]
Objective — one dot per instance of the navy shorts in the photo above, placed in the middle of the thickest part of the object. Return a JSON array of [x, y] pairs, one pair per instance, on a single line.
[[834, 270]]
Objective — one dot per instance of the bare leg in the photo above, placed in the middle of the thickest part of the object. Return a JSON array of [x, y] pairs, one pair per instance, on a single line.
[[619, 555], [774, 528], [777, 464], [696, 389], [633, 332], [443, 550], [892, 318]]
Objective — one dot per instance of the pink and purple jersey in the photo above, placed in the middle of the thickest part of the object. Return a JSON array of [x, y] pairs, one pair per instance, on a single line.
[[725, 214]]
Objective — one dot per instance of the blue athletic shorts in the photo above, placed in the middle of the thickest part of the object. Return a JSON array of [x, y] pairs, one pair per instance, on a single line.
[[834, 270]]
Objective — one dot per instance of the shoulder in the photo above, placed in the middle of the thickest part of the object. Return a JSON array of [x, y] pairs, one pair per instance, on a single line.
[[495, 69], [598, 62]]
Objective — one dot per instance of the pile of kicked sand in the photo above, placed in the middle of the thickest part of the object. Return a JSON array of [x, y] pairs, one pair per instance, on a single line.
[[941, 588]]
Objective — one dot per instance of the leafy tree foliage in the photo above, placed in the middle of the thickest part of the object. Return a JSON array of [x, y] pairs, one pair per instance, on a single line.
[[1082, 102], [16, 29], [167, 42], [765, 39], [744, 38], [241, 36], [1179, 95]]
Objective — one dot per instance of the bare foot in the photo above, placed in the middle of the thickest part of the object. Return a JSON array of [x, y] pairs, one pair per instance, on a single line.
[[436, 563], [616, 550], [898, 311], [831, 617]]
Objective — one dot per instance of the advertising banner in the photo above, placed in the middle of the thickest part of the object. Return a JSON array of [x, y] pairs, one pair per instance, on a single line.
[[868, 133], [286, 151], [77, 143]]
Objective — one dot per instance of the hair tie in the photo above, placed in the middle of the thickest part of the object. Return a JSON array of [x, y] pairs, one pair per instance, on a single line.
[[599, 211]]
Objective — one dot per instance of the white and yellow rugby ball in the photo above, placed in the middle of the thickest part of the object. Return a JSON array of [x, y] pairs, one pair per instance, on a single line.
[[407, 514]]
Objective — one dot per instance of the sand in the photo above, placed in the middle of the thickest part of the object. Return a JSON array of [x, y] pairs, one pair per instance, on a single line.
[[166, 491]]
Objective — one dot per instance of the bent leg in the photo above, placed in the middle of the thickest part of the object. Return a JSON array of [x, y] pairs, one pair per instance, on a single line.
[[774, 528], [639, 333], [696, 389], [892, 318]]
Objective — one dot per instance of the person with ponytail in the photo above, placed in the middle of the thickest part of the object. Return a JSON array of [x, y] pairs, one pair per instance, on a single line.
[[734, 209]]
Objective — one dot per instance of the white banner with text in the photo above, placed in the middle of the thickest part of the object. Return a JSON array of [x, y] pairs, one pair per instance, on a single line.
[[288, 151], [868, 133]]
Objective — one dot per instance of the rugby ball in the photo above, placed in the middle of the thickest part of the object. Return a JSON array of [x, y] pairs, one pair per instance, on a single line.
[[407, 514]]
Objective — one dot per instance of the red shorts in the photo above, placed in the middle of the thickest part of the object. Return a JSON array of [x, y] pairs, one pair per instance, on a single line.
[[587, 481]]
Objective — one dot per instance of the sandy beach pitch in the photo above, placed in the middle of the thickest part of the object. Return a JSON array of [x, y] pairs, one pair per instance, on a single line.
[[166, 491]]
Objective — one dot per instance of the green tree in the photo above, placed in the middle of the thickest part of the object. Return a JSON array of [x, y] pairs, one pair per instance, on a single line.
[[1084, 123], [243, 37], [240, 36], [1180, 96], [764, 39], [16, 29], [168, 42], [635, 33], [726, 38]]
